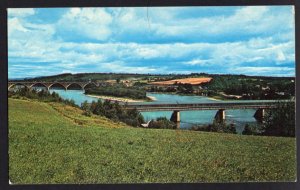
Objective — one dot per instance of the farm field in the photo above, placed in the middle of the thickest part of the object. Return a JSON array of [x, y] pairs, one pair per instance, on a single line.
[[192, 81], [54, 143]]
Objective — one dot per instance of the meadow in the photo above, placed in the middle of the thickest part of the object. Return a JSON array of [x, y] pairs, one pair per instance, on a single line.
[[55, 143]]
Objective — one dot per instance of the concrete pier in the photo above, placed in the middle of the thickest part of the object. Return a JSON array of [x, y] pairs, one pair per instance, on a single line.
[[259, 114], [175, 117], [220, 115]]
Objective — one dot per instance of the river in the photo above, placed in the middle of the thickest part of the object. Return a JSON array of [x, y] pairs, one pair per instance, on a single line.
[[188, 118]]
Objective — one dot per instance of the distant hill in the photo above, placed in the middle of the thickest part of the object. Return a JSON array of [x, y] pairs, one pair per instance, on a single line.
[[114, 76]]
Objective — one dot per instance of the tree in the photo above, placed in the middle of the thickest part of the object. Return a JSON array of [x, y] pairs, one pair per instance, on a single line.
[[280, 121], [85, 106]]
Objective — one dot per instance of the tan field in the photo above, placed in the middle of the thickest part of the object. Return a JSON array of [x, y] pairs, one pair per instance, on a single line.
[[192, 81]]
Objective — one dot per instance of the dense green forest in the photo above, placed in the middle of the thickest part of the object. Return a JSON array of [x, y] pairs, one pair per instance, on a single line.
[[252, 87], [84, 77], [119, 91], [114, 76]]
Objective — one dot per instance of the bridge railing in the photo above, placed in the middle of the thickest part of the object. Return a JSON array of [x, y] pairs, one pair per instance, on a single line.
[[204, 106]]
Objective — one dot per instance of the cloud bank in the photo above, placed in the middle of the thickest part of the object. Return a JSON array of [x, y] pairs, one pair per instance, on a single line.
[[255, 40]]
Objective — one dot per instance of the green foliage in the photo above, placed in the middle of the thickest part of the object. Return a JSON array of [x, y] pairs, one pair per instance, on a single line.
[[162, 123], [251, 87], [185, 88], [85, 106], [220, 127], [47, 147], [42, 95], [87, 113], [118, 91], [252, 130], [115, 112], [84, 77], [281, 120]]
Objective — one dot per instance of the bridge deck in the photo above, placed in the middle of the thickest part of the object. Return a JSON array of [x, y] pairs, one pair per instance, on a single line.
[[201, 106]]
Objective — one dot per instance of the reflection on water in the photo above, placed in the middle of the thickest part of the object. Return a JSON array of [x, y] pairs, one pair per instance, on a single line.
[[188, 118]]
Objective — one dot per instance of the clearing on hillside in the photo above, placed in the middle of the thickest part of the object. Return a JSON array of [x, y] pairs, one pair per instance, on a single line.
[[192, 81]]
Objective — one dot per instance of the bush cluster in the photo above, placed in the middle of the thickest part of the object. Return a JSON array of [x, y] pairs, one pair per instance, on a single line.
[[162, 123], [279, 121], [252, 88], [219, 127], [252, 130], [113, 111], [41, 95], [118, 91]]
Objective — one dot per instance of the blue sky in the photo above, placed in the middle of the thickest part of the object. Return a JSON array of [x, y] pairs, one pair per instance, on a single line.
[[255, 40]]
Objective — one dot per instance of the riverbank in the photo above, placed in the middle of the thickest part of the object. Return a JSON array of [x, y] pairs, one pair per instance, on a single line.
[[215, 98], [119, 99]]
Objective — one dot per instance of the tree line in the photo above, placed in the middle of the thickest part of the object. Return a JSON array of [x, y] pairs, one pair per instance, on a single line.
[[118, 91], [279, 121]]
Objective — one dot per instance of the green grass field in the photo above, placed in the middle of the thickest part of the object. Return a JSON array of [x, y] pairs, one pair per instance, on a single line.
[[54, 143]]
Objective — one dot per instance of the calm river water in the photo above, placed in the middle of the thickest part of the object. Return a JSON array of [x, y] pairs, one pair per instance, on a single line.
[[188, 118]]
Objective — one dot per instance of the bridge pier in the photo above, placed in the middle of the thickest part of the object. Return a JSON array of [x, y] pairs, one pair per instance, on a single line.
[[259, 114], [220, 116], [175, 117]]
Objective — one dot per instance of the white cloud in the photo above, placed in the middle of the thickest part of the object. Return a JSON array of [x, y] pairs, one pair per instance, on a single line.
[[275, 71], [20, 12], [163, 23], [199, 62], [89, 22], [119, 66], [280, 56], [38, 43], [14, 24]]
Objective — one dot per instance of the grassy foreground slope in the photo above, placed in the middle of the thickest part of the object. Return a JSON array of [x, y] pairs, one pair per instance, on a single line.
[[54, 143]]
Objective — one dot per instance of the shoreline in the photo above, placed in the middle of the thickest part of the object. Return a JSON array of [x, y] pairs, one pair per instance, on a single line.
[[119, 99], [212, 98]]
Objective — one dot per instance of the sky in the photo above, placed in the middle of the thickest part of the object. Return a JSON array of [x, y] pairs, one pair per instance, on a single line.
[[250, 40]]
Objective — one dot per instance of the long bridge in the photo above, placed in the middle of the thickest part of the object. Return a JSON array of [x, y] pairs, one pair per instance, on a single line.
[[49, 85], [221, 107]]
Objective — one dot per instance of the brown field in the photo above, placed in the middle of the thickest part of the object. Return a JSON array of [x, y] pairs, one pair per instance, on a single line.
[[192, 81]]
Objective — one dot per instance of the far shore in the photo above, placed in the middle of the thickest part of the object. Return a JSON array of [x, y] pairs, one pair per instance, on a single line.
[[211, 98], [120, 99]]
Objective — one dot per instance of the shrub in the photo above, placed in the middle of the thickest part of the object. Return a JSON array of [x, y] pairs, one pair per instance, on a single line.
[[87, 113], [162, 123], [41, 95], [280, 121], [216, 127], [252, 130], [119, 91]]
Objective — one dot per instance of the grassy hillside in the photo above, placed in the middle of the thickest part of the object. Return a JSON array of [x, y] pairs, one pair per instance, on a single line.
[[54, 143]]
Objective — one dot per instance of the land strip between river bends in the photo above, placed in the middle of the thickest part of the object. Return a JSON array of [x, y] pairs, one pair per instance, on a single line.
[[118, 99]]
